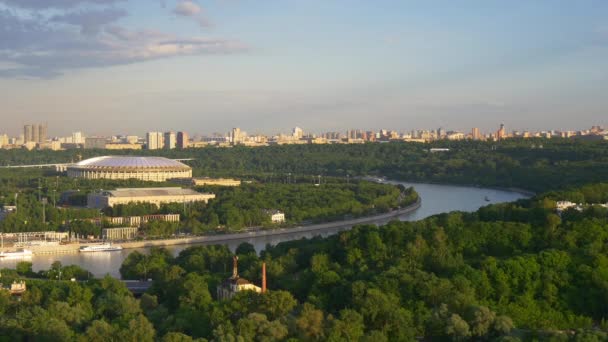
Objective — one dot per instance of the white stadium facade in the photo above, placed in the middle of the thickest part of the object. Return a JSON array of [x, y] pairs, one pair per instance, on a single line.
[[155, 169]]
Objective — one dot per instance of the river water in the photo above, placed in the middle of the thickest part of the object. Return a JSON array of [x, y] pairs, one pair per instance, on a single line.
[[436, 199]]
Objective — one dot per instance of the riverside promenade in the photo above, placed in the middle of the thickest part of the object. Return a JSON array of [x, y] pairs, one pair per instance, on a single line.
[[222, 238]]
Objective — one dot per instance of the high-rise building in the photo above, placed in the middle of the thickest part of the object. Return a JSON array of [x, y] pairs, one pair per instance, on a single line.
[[3, 140], [154, 140], [441, 133], [235, 136], [35, 133], [183, 141], [170, 140], [77, 138], [297, 133], [28, 133], [500, 134], [475, 134], [42, 133]]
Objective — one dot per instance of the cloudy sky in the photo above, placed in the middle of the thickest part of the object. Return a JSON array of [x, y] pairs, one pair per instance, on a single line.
[[129, 66]]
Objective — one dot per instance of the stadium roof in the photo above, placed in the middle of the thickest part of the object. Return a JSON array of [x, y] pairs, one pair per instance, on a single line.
[[130, 162]]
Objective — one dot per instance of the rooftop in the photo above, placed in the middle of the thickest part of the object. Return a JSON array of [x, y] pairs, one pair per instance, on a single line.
[[130, 162], [147, 192]]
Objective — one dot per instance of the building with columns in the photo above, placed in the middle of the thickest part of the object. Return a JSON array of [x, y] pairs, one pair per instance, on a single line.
[[154, 169], [157, 196]]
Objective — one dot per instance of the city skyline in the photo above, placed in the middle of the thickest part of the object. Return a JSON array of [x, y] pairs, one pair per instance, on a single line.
[[35, 137], [211, 65]]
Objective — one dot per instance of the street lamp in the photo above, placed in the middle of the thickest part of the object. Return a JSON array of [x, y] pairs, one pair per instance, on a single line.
[[44, 202]]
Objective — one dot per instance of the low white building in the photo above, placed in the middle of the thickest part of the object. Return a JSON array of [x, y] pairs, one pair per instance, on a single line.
[[276, 216], [565, 205], [126, 233], [157, 196]]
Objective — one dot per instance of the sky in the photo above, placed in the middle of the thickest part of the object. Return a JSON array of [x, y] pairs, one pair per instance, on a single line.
[[130, 66]]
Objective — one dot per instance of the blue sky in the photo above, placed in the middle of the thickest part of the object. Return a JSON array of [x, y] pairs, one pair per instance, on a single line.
[[128, 66]]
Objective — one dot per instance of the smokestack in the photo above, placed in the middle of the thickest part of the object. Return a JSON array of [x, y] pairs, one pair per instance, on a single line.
[[264, 277], [235, 267]]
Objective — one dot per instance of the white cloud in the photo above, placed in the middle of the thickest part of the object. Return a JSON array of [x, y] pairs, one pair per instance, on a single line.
[[45, 4], [187, 8], [91, 22], [44, 49], [192, 11]]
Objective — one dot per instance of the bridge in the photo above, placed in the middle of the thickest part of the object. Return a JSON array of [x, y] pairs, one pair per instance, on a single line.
[[60, 167]]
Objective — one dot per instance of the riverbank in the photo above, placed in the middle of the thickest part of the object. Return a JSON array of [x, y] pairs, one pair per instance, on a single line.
[[524, 192], [274, 232], [382, 179], [223, 238]]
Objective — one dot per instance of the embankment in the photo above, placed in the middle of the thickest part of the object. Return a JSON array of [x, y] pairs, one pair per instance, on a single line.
[[222, 238]]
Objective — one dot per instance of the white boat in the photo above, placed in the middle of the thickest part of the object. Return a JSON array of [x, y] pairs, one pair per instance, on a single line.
[[104, 247], [20, 253]]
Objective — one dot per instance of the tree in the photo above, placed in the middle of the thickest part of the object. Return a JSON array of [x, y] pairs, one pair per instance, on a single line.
[[245, 248], [256, 327], [480, 320], [24, 268], [457, 328], [100, 331], [139, 330], [310, 323], [194, 292], [276, 304], [503, 325], [75, 316], [349, 327], [176, 337]]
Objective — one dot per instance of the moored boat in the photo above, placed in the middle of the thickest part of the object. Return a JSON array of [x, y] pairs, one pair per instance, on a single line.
[[20, 253], [104, 247]]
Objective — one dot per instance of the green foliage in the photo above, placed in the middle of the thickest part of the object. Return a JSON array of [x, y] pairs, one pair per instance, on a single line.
[[507, 272]]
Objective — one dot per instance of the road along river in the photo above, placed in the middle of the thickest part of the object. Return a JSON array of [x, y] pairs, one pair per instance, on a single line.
[[436, 199]]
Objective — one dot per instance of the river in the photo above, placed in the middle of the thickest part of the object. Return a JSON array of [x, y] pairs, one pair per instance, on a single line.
[[436, 199]]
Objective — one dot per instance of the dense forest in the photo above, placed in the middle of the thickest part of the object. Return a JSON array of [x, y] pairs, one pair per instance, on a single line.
[[533, 164], [508, 272]]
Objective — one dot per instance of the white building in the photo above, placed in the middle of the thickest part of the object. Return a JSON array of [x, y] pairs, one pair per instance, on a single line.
[[170, 140], [132, 139], [276, 216], [298, 133], [565, 205], [157, 196], [153, 169], [154, 140], [77, 138], [235, 136]]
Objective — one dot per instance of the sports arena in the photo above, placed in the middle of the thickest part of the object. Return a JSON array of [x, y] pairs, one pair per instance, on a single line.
[[155, 169]]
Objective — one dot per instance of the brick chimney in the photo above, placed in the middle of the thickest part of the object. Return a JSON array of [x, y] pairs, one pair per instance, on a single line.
[[264, 277]]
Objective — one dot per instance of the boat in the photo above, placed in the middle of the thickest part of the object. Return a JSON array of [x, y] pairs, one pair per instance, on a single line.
[[20, 253], [487, 199], [104, 247]]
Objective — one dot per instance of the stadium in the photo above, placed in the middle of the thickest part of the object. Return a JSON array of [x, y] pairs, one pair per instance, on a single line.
[[155, 169]]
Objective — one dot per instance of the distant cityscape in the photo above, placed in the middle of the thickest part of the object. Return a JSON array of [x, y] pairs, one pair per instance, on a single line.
[[35, 136]]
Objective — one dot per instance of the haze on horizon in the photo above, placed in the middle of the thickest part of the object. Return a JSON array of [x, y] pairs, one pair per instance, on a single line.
[[129, 66]]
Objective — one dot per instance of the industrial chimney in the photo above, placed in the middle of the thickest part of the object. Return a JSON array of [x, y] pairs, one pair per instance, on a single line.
[[264, 277]]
